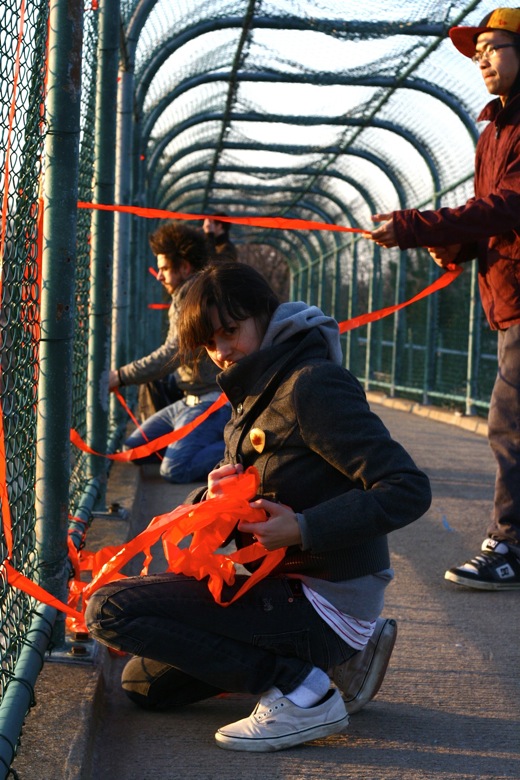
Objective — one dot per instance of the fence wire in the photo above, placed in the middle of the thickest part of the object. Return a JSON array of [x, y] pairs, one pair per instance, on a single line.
[[22, 127]]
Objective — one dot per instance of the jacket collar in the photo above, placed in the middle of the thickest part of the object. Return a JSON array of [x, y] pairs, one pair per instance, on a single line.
[[251, 375], [495, 112]]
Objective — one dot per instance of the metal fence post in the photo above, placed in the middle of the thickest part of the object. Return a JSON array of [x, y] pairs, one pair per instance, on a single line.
[[473, 342], [123, 222], [57, 299], [102, 244]]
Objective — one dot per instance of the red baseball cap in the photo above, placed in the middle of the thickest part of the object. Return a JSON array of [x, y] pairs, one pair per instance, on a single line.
[[464, 38]]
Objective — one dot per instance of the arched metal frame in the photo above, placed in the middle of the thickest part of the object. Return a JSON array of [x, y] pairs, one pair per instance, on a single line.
[[170, 173]]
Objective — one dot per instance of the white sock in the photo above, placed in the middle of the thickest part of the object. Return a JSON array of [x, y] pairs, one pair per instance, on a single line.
[[311, 690]]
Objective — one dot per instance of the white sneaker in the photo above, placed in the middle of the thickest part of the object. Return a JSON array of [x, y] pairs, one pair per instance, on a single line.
[[360, 678], [281, 724]]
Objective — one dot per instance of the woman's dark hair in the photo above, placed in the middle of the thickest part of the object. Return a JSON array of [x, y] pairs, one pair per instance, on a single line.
[[236, 290]]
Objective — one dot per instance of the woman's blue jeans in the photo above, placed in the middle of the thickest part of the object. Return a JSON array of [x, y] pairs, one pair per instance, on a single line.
[[271, 636], [191, 458], [504, 438]]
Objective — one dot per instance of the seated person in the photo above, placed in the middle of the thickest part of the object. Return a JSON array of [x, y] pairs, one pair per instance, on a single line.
[[180, 251]]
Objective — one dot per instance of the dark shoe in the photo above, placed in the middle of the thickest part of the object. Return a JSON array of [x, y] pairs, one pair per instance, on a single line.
[[281, 724], [495, 568], [360, 678], [154, 685]]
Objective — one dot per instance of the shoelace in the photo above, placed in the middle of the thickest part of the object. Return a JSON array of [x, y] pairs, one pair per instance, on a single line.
[[270, 710], [488, 558]]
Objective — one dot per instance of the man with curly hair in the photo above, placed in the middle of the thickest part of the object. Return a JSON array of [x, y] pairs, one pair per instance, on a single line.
[[181, 251]]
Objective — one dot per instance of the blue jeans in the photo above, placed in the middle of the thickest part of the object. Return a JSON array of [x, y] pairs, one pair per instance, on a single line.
[[191, 458], [504, 438], [271, 636]]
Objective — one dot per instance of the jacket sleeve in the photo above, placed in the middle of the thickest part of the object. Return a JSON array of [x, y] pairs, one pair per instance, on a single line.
[[389, 490], [492, 214], [478, 219], [162, 361]]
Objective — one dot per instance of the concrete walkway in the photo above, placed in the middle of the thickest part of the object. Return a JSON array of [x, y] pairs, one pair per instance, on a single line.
[[449, 706]]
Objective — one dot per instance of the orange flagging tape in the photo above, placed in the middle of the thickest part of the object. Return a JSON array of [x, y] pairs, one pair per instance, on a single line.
[[209, 524], [157, 444], [270, 222], [443, 281], [355, 322], [17, 580], [132, 417]]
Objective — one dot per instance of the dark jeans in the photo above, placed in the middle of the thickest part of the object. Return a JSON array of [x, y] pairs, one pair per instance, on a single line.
[[504, 437], [271, 636]]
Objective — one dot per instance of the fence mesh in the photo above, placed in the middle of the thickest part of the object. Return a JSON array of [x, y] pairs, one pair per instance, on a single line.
[[22, 127]]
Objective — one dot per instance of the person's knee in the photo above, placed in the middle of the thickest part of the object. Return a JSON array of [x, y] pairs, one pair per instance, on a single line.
[[94, 614], [176, 470], [134, 440], [102, 610]]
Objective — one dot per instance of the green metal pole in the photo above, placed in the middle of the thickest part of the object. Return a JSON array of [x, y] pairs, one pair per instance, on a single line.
[[123, 222], [19, 694], [102, 238], [373, 334], [398, 330], [57, 300], [352, 310], [137, 343], [432, 320], [473, 342]]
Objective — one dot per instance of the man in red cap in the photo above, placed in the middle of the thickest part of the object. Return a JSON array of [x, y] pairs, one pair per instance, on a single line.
[[487, 228]]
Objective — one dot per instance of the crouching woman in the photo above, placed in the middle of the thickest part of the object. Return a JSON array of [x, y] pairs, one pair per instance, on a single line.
[[333, 484]]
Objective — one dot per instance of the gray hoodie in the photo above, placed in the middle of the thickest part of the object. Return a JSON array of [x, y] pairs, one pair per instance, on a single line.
[[298, 317]]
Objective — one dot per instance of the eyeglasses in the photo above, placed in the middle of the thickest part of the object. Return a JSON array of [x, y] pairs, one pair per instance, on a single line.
[[489, 53]]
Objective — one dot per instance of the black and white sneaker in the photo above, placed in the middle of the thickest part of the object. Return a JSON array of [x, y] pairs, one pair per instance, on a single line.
[[495, 568]]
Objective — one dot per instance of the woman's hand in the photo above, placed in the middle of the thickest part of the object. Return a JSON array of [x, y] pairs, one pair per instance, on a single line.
[[217, 476], [281, 528]]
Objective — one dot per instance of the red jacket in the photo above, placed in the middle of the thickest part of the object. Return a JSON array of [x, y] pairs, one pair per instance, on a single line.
[[488, 225]]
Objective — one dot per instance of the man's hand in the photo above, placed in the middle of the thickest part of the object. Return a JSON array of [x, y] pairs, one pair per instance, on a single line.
[[444, 255], [384, 235], [113, 380], [281, 528]]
